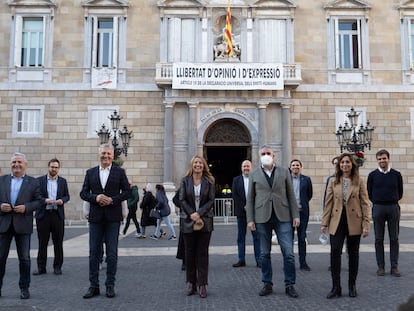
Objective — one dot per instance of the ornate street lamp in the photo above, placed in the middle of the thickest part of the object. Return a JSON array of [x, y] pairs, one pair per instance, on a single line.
[[104, 135], [352, 138]]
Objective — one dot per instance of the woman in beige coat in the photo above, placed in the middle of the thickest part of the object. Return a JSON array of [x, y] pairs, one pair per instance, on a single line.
[[347, 214]]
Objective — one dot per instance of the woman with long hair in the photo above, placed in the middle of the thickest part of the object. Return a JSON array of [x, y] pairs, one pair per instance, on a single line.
[[347, 214], [197, 194]]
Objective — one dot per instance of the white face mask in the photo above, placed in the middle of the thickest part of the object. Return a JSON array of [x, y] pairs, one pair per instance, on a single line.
[[266, 160]]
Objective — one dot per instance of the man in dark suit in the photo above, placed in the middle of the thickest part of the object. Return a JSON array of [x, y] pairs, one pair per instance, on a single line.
[[271, 205], [50, 218], [105, 187], [19, 197], [239, 190], [302, 185]]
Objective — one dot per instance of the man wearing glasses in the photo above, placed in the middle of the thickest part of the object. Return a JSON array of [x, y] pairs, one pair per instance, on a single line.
[[271, 205], [50, 218]]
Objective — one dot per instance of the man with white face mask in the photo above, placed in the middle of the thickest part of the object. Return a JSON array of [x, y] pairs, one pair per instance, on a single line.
[[271, 205]]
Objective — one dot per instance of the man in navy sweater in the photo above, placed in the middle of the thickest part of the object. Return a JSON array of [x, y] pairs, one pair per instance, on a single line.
[[385, 189]]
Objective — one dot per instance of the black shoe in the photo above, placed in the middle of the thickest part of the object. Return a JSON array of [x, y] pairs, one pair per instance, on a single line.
[[57, 271], [110, 292], [191, 289], [92, 292], [352, 291], [305, 267], [39, 272], [203, 291], [24, 293], [266, 290], [291, 291], [335, 292], [239, 264]]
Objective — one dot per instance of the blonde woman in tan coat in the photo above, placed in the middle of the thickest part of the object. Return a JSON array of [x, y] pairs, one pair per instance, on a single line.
[[347, 213]]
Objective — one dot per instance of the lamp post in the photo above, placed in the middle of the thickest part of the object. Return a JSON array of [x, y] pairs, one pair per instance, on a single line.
[[354, 139], [104, 134]]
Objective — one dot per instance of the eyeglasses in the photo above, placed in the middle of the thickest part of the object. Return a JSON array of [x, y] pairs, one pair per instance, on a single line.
[[266, 153], [54, 167]]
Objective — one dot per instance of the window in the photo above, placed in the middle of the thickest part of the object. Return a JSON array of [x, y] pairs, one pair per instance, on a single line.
[[348, 41], [181, 40], [98, 116], [28, 121], [103, 47], [348, 44], [31, 38], [272, 41], [32, 42]]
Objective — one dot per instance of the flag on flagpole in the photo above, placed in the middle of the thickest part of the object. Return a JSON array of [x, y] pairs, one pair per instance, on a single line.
[[228, 31]]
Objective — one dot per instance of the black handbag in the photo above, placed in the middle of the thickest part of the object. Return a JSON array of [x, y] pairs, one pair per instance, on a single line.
[[155, 213]]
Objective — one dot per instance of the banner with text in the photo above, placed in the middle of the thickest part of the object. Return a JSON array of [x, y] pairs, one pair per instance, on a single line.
[[228, 76]]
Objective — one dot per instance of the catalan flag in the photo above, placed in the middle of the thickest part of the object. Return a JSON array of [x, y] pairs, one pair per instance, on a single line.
[[228, 31]]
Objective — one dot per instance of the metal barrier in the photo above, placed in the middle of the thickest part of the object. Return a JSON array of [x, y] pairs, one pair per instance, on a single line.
[[224, 209]]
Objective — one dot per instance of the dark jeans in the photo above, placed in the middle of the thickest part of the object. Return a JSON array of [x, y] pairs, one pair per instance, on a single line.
[[132, 215], [196, 256], [337, 243], [50, 224], [23, 252], [284, 235], [241, 240], [391, 215], [301, 231], [109, 233]]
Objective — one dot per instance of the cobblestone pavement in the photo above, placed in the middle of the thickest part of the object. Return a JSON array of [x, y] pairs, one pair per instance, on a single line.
[[149, 278]]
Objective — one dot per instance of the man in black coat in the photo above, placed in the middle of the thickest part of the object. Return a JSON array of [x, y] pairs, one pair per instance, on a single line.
[[239, 194], [19, 198], [50, 217], [302, 186], [105, 187]]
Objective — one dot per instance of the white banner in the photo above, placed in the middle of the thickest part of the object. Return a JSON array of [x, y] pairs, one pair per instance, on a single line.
[[228, 76]]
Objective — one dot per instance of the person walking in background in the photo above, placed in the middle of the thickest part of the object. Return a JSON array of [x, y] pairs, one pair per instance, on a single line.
[[165, 210], [271, 205], [197, 194], [302, 185], [385, 190], [347, 214], [50, 217], [147, 204], [132, 210], [105, 187], [239, 190], [19, 198]]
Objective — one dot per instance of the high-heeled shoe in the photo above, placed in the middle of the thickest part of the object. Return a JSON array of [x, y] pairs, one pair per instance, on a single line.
[[191, 289], [352, 291], [335, 292], [203, 291]]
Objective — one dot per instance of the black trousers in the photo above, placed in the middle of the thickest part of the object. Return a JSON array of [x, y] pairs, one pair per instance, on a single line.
[[337, 243], [50, 225], [196, 256]]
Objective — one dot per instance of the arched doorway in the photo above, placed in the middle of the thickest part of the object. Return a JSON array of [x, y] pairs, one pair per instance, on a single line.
[[227, 143]]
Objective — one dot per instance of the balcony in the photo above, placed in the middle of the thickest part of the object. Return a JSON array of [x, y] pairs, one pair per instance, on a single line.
[[292, 75]]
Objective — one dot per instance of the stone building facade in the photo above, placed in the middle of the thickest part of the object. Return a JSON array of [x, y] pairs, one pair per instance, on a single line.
[[67, 65]]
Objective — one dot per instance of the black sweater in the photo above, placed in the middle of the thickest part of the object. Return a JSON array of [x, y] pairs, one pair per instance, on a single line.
[[385, 188]]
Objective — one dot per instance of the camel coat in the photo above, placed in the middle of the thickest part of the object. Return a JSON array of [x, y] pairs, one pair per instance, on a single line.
[[358, 211]]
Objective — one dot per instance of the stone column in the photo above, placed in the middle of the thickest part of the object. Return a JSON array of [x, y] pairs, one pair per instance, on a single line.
[[168, 144], [262, 106], [192, 129], [286, 134]]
